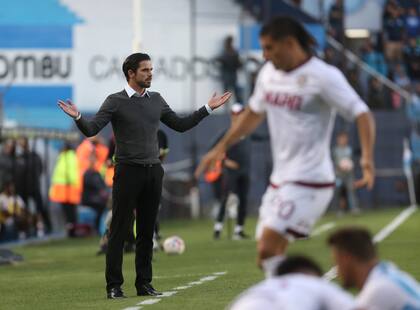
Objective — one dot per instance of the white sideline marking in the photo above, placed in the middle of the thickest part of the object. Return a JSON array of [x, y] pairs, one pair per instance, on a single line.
[[195, 283], [168, 294], [387, 230], [180, 276], [211, 277], [149, 301], [323, 228], [380, 236], [182, 287]]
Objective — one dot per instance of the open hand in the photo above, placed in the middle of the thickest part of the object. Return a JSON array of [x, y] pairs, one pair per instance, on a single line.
[[217, 101], [368, 175], [68, 107], [208, 162]]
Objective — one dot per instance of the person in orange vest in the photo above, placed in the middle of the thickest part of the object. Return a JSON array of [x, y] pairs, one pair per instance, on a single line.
[[66, 187], [109, 173], [95, 191], [84, 151]]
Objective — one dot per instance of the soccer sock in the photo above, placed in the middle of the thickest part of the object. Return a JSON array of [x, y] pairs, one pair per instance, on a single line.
[[218, 226], [270, 265], [238, 229]]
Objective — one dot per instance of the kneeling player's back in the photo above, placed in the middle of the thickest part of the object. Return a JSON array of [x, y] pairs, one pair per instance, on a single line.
[[388, 288], [294, 292]]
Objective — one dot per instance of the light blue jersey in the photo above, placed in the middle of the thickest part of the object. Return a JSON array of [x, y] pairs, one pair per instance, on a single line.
[[388, 288]]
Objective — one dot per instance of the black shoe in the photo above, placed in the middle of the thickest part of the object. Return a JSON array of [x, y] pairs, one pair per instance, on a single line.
[[115, 293], [240, 236], [216, 235], [147, 290]]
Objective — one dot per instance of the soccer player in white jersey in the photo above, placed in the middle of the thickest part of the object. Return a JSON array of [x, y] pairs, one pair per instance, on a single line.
[[297, 285], [300, 95], [382, 285]]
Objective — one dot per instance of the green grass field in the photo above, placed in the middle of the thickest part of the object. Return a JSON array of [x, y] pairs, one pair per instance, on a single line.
[[67, 274]]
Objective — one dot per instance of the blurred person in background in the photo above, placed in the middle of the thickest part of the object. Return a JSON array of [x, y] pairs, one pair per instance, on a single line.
[[92, 146], [14, 217], [230, 63], [393, 27], [65, 186], [235, 179], [373, 57], [412, 110], [353, 78], [163, 152], [95, 191], [336, 21], [378, 97], [29, 169], [381, 284], [7, 162], [300, 95], [400, 77], [135, 114], [297, 284], [344, 171], [411, 56], [412, 23]]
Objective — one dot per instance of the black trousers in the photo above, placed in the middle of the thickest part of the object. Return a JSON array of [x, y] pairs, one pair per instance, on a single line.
[[136, 187], [99, 209], [233, 182], [70, 215]]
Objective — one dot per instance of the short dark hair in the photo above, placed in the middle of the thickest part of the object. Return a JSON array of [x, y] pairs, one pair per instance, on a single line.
[[282, 26], [132, 62], [298, 263], [356, 241]]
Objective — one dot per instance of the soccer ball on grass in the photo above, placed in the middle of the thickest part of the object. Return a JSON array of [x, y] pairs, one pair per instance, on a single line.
[[173, 245]]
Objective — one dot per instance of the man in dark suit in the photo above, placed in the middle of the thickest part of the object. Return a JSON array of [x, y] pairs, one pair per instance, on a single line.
[[135, 114]]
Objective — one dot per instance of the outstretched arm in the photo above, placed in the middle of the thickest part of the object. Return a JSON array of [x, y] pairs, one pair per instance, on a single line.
[[181, 124], [366, 128], [247, 122], [89, 127]]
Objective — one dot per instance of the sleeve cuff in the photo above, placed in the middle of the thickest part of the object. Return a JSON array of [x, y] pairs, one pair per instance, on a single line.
[[209, 110], [79, 116]]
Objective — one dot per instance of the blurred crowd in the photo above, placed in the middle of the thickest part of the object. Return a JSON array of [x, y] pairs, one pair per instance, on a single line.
[[82, 175], [394, 53]]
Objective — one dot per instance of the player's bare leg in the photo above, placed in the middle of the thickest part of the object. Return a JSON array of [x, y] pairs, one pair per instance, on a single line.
[[271, 248]]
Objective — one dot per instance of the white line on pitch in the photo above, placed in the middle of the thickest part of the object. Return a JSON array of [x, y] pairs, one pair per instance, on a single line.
[[180, 276], [209, 278], [380, 236], [319, 230], [149, 301], [387, 230], [152, 301], [168, 294], [182, 287], [195, 283]]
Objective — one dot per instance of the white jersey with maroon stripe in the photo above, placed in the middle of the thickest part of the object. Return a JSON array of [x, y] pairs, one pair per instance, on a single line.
[[301, 106], [294, 292]]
